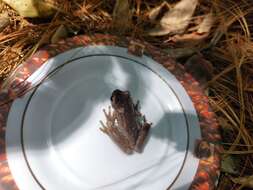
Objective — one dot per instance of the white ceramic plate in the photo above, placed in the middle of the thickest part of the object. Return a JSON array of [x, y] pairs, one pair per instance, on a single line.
[[53, 137]]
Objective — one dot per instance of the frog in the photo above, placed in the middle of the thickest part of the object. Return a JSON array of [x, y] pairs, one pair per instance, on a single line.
[[125, 124]]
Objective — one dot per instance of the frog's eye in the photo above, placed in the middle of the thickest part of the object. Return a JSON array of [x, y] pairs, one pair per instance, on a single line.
[[116, 93], [117, 99]]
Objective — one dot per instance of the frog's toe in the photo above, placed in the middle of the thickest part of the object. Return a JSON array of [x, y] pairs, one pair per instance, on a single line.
[[106, 115], [103, 128], [110, 111], [110, 114]]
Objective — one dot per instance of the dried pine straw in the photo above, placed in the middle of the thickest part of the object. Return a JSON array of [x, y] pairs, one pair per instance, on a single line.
[[229, 47]]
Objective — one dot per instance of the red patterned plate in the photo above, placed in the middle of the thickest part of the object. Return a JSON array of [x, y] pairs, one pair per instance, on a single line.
[[51, 101]]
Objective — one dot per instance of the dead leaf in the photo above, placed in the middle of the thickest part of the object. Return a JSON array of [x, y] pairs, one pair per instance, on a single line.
[[31, 8], [197, 33], [229, 164], [138, 7], [181, 52], [153, 13], [207, 23], [122, 15], [200, 68], [136, 48], [59, 34], [244, 181], [189, 40], [176, 20], [4, 20]]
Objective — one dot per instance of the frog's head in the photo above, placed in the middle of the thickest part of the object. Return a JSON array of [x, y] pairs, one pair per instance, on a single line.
[[120, 99]]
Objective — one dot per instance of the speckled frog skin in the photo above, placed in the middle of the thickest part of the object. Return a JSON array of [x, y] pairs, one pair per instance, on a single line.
[[125, 125]]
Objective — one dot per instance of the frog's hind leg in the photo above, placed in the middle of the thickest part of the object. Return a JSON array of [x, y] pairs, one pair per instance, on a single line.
[[118, 138], [143, 133]]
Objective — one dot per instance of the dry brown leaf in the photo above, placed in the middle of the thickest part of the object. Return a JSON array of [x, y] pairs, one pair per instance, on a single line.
[[4, 20], [244, 181], [122, 15], [31, 8], [200, 68], [176, 20], [153, 13], [138, 7], [207, 23], [59, 34], [229, 164], [190, 39], [181, 52], [198, 32]]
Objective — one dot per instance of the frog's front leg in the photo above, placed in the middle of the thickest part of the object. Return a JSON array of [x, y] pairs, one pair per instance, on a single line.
[[111, 129], [143, 133], [110, 120]]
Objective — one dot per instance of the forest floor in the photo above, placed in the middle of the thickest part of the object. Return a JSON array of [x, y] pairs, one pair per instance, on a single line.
[[218, 31]]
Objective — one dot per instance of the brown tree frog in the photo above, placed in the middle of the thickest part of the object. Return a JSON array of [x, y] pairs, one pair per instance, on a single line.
[[125, 125]]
